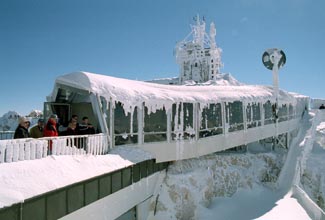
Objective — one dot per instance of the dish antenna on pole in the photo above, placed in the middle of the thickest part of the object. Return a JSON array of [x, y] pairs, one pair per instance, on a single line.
[[274, 59]]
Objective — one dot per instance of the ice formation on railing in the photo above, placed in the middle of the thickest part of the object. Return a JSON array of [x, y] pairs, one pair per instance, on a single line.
[[22, 149], [29, 149]]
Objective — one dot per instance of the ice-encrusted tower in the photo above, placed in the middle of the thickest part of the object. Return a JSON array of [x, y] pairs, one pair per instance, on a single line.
[[198, 56]]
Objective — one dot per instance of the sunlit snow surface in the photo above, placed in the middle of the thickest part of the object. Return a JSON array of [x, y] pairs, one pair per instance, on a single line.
[[185, 197], [26, 179]]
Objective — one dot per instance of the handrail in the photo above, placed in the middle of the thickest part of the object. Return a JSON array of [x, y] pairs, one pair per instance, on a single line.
[[5, 135], [14, 150]]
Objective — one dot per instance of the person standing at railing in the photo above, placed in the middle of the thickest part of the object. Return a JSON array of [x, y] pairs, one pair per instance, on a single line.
[[72, 128], [37, 130], [50, 130], [85, 127], [22, 129]]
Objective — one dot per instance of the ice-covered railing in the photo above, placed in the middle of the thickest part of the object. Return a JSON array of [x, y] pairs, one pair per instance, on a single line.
[[22, 149], [80, 144], [29, 149], [316, 103]]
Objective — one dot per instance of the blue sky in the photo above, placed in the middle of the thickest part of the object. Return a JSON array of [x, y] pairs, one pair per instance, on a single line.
[[42, 39]]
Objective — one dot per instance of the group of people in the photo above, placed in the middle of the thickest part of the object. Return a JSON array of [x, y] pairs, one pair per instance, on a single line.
[[74, 128], [52, 128]]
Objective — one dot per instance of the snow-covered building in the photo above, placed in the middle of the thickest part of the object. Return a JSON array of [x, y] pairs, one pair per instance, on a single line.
[[198, 55], [152, 115]]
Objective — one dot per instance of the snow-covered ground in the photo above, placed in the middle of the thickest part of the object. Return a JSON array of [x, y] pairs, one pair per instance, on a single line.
[[26, 179], [313, 176], [245, 185]]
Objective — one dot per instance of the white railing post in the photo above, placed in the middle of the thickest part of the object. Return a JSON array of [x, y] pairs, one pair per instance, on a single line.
[[27, 151], [21, 150], [245, 115], [15, 151], [2, 151], [45, 147], [9, 152], [32, 151]]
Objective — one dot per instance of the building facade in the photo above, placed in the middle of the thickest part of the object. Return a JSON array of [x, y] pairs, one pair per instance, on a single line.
[[198, 55]]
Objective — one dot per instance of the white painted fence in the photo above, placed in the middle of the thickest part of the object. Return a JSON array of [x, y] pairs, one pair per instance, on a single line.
[[29, 149], [22, 149], [81, 144]]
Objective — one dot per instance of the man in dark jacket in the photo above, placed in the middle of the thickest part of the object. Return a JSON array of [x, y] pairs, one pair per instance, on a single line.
[[22, 129], [85, 127], [37, 130]]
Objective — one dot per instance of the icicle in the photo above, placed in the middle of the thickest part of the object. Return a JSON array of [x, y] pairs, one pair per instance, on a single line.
[[131, 121], [181, 125], [176, 121]]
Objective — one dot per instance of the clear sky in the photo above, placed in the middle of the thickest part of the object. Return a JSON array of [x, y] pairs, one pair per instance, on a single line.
[[42, 39]]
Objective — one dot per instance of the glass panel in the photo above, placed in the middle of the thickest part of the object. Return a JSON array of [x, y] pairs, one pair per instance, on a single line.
[[283, 113], [155, 137], [269, 113], [123, 124], [126, 139], [253, 115], [182, 121], [155, 125], [122, 121], [211, 120], [155, 122], [235, 116]]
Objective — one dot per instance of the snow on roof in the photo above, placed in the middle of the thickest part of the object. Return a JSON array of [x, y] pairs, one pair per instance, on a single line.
[[133, 93]]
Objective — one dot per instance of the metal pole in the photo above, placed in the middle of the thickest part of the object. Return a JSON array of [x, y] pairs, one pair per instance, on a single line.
[[275, 58]]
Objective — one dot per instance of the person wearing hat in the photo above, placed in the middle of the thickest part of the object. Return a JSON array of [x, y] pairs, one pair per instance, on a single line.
[[22, 129], [50, 130], [37, 130]]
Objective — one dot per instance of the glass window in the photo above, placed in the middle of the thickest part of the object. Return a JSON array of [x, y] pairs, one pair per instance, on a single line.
[[155, 125], [235, 116], [253, 115], [283, 113], [125, 126], [269, 113], [182, 121], [211, 120]]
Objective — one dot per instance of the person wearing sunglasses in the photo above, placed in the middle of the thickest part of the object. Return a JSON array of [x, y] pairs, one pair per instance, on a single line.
[[22, 128]]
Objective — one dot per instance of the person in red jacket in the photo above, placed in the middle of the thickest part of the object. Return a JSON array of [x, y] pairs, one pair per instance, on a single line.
[[50, 130]]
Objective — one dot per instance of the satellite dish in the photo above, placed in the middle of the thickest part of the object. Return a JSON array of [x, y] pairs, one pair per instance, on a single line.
[[271, 56]]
